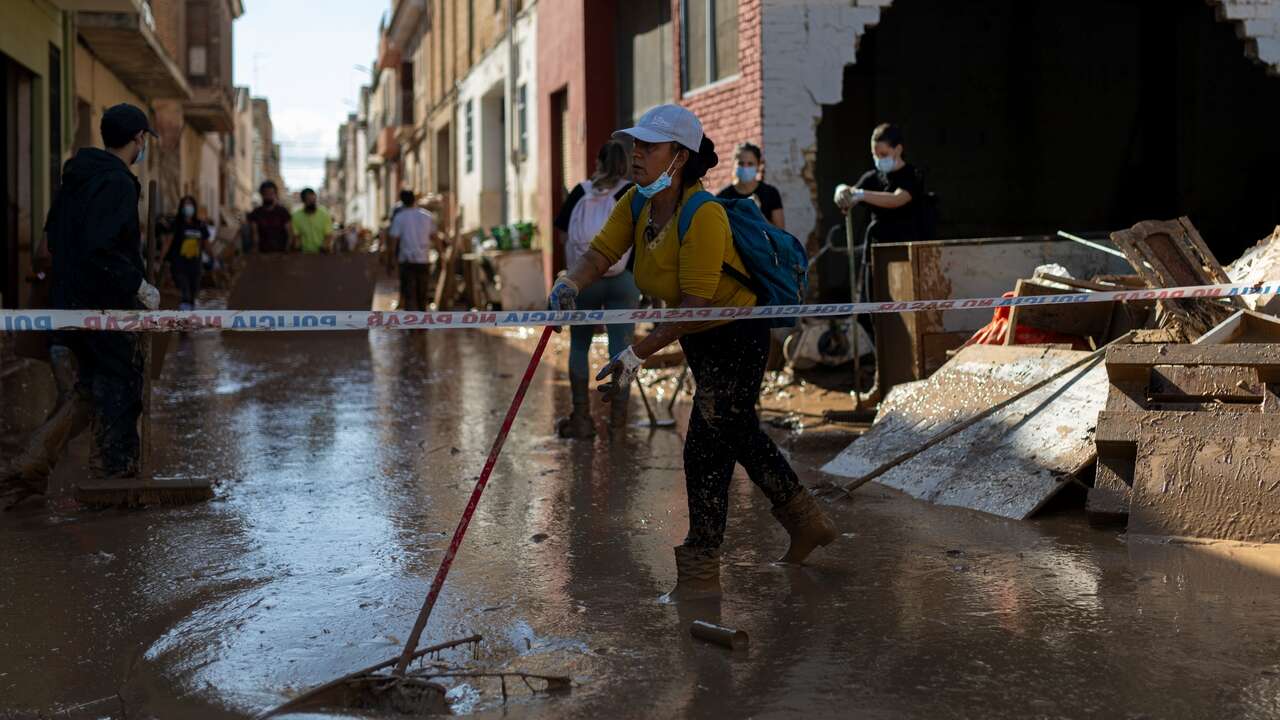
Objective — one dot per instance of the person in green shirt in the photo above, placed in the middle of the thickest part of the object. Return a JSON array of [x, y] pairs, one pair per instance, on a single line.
[[312, 224]]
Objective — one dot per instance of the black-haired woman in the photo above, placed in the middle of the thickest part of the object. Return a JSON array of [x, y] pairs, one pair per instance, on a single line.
[[187, 245], [748, 182], [669, 160]]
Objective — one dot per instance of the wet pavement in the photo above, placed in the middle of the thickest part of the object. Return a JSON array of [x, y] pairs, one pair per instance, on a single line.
[[343, 461]]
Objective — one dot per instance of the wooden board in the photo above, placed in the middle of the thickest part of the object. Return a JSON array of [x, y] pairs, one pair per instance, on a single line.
[[975, 379], [1008, 464], [1172, 254], [1224, 488]]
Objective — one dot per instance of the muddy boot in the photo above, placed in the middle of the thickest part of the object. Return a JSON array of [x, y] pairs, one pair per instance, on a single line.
[[579, 423], [32, 467], [807, 524], [697, 574]]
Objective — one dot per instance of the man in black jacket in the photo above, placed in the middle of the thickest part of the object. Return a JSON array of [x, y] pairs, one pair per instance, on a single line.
[[96, 241]]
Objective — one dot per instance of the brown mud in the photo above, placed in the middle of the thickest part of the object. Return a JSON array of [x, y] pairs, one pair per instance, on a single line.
[[342, 463]]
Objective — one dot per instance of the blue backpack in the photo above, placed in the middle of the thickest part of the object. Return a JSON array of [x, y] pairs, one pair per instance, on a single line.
[[776, 262]]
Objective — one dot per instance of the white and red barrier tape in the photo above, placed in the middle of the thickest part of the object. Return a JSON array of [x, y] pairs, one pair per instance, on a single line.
[[307, 320]]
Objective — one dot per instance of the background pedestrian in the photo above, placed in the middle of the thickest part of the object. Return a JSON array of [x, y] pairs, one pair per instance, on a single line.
[[584, 212], [748, 182]]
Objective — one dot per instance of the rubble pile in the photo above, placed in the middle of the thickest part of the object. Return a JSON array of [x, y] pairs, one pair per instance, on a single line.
[[1169, 415]]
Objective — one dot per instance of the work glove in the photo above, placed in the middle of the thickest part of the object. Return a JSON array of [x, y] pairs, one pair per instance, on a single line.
[[148, 295], [624, 367], [846, 197], [564, 295]]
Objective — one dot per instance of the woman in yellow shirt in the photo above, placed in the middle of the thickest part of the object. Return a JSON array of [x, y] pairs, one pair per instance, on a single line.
[[727, 358]]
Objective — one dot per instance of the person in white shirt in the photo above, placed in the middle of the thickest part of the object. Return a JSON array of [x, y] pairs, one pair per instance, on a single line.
[[412, 232]]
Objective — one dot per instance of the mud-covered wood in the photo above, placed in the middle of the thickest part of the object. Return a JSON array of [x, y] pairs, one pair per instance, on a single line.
[[1208, 486], [1171, 254]]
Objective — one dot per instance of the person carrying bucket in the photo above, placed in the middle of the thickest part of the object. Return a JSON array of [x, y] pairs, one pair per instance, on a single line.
[[687, 255]]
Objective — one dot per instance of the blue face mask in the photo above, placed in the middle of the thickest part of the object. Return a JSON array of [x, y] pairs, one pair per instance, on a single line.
[[141, 154], [745, 174], [885, 164], [188, 211], [662, 183]]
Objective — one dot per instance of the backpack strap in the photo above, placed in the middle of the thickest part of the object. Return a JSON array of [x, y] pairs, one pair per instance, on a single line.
[[697, 200], [637, 204]]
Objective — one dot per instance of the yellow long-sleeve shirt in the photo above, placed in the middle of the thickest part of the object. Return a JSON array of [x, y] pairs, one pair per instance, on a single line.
[[671, 268]]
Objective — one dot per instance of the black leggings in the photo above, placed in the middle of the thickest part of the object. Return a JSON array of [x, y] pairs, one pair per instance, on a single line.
[[728, 367]]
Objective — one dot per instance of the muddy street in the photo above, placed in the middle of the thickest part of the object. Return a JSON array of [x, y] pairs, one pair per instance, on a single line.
[[343, 461]]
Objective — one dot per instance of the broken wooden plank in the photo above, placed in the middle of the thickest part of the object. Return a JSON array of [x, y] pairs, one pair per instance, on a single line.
[[978, 377], [1172, 254], [1014, 461], [1134, 362], [1246, 326]]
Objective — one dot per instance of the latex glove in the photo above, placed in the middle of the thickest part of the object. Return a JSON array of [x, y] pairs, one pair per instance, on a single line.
[[624, 367], [564, 295], [148, 295], [846, 197]]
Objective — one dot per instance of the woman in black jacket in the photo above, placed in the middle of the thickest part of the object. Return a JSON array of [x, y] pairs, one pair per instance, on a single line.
[[188, 242]]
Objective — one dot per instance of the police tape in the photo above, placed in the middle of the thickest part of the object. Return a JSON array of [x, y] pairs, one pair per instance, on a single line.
[[306, 320]]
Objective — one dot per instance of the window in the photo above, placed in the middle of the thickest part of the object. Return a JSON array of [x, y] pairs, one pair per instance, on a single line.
[[522, 119], [710, 47], [469, 152], [644, 57], [406, 93], [197, 61]]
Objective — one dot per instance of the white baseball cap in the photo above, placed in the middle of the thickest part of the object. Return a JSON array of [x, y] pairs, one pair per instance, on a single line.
[[667, 123]]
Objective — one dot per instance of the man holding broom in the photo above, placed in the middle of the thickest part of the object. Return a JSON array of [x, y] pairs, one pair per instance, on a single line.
[[96, 240]]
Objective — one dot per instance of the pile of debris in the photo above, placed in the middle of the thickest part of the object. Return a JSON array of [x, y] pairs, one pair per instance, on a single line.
[[1165, 410]]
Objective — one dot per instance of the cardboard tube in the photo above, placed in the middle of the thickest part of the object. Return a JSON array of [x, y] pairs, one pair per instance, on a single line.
[[728, 637]]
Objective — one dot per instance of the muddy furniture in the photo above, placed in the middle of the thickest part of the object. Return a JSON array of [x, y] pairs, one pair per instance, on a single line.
[[1189, 442], [911, 346], [1171, 254]]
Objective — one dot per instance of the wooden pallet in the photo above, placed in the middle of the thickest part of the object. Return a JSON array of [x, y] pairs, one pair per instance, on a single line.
[[1186, 439]]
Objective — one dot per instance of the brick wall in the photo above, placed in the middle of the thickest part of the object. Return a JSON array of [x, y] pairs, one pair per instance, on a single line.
[[731, 112], [806, 46]]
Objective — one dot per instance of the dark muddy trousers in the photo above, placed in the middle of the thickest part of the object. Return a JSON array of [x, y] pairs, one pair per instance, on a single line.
[[186, 277], [414, 278], [608, 293], [110, 376], [728, 367]]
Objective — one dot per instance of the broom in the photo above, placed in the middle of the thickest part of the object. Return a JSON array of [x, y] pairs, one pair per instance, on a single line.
[[411, 650]]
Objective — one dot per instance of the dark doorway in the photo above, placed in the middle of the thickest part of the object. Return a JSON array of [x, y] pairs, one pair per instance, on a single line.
[[16, 187], [1031, 116], [561, 164]]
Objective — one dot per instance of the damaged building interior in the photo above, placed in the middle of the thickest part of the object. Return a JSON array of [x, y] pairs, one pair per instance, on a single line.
[[1020, 128]]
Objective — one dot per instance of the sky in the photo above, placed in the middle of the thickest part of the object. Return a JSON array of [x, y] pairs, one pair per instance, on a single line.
[[301, 56]]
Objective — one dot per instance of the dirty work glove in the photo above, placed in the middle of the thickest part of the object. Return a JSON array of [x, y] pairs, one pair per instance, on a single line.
[[846, 197], [624, 366], [148, 295], [564, 296]]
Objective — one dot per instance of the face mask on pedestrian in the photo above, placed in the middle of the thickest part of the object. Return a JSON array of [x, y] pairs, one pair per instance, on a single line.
[[662, 183], [141, 153], [885, 164], [188, 211], [745, 174]]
